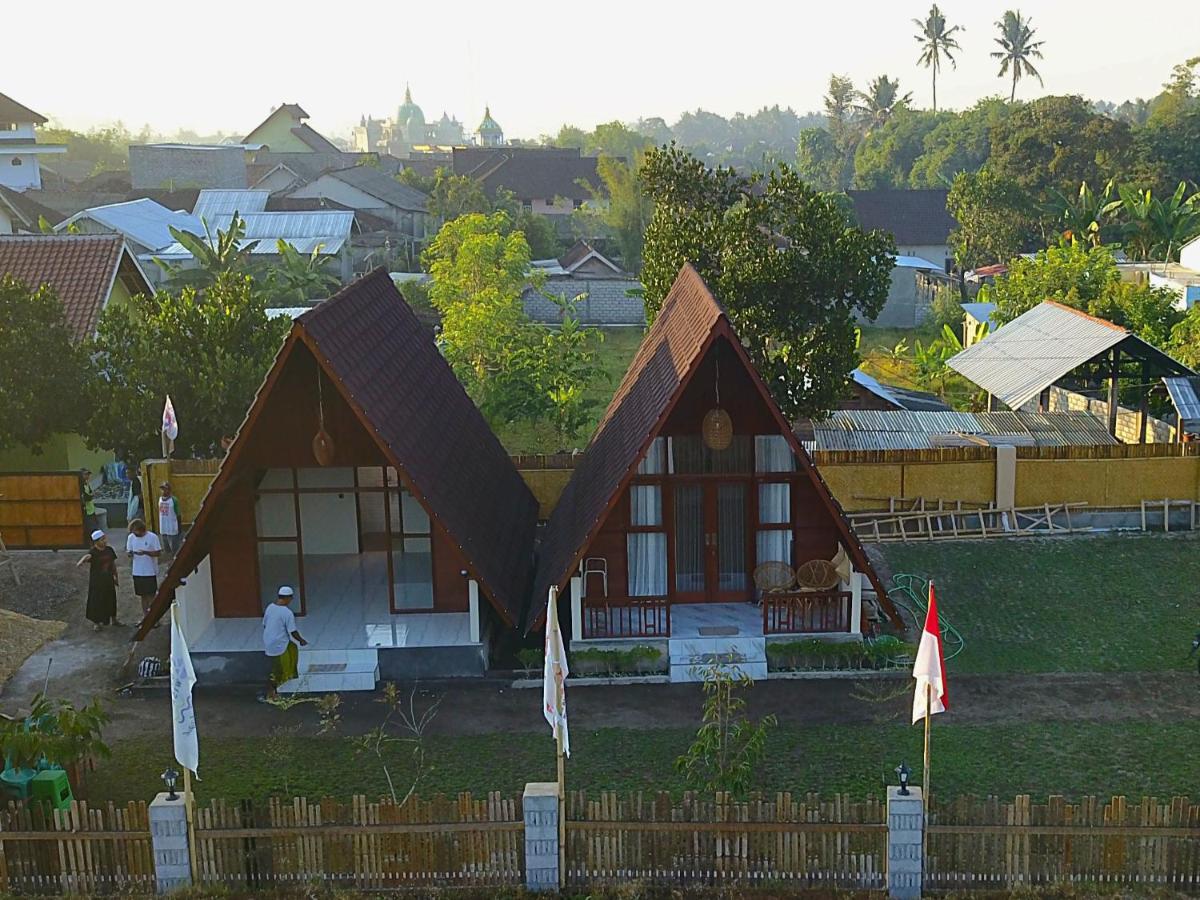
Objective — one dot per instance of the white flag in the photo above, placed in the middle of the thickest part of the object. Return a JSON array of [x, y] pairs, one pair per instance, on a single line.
[[183, 714], [554, 675], [930, 667], [170, 425]]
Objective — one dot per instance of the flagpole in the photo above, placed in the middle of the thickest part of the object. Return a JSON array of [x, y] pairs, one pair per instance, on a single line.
[[189, 816], [562, 810], [925, 774]]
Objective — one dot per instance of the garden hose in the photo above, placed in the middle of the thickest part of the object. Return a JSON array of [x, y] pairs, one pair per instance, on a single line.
[[912, 591]]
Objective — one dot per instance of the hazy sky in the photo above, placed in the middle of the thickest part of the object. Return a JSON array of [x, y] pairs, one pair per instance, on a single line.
[[222, 65]]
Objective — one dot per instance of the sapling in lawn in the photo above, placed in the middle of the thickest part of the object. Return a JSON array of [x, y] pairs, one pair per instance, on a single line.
[[411, 718]]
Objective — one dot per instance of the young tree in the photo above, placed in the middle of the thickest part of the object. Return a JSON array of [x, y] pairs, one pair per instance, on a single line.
[[1017, 48], [621, 208], [453, 195], [42, 371], [208, 349], [789, 267], [936, 41]]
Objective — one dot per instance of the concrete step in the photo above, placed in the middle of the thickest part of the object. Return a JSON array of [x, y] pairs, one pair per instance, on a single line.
[[683, 673], [333, 671], [686, 651]]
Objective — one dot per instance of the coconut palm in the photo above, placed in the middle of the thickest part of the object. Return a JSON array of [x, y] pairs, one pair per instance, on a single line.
[[881, 99], [1018, 47], [936, 41]]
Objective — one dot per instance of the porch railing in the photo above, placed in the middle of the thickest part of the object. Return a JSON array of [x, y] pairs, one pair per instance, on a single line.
[[636, 617], [806, 612]]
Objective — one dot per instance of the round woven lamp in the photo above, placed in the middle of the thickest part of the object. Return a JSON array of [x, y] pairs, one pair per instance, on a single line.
[[322, 443], [717, 429]]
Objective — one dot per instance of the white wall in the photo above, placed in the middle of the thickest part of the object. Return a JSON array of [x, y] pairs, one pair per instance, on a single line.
[[1189, 256], [328, 521], [195, 601], [6, 223], [563, 207], [24, 131], [20, 177], [338, 191]]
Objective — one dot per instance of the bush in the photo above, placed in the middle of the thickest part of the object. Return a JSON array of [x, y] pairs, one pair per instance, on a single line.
[[638, 660], [884, 652], [532, 658], [946, 309]]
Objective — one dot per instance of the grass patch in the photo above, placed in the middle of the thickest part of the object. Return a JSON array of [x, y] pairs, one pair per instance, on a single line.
[[616, 352], [1131, 758], [1116, 603], [877, 348]]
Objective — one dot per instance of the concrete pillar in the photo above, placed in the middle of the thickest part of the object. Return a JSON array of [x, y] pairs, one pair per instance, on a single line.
[[473, 609], [906, 835], [540, 805], [856, 602], [1006, 477], [576, 608], [169, 840]]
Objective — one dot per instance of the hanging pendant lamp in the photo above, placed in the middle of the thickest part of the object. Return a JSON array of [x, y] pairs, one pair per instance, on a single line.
[[717, 427], [322, 443]]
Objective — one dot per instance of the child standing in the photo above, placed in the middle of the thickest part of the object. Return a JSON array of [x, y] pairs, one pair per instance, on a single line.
[[168, 519]]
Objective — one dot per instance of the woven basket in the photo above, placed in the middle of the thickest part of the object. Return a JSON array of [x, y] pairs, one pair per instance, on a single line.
[[717, 429], [773, 576], [817, 575]]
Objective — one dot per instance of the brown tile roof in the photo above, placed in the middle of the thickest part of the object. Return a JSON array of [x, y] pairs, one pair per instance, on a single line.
[[80, 268], [12, 111], [688, 323], [391, 373], [912, 216]]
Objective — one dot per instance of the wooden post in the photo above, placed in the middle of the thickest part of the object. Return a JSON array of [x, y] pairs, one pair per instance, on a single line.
[[1144, 404], [562, 811], [189, 815], [1114, 378], [925, 777]]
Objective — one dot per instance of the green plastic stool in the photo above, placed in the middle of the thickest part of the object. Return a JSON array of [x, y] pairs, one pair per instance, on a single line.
[[51, 788]]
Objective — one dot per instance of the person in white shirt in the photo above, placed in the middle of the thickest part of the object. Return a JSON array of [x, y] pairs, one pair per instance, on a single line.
[[168, 519], [144, 547], [281, 641]]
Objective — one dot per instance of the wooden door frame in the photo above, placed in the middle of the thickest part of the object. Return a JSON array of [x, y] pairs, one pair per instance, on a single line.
[[710, 488]]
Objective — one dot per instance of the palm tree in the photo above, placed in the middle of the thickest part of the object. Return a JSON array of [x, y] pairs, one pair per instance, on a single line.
[[1018, 47], [880, 101], [936, 41]]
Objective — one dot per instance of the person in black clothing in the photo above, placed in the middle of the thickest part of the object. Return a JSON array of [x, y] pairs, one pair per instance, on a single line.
[[102, 582]]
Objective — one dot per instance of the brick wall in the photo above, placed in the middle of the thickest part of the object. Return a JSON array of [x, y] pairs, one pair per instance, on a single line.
[[606, 301], [152, 167]]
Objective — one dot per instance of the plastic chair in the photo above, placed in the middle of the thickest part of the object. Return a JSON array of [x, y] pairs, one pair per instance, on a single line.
[[595, 565]]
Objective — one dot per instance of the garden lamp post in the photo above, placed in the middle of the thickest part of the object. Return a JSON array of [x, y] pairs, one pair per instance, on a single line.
[[170, 778], [902, 772]]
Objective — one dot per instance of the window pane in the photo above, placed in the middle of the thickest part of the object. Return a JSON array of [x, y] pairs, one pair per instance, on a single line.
[[689, 538], [416, 520], [774, 546], [328, 524], [645, 504], [654, 462], [275, 515], [772, 453], [775, 503], [647, 564], [692, 457], [412, 575], [731, 538], [323, 477], [274, 479]]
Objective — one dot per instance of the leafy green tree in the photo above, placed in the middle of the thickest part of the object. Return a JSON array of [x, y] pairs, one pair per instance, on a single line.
[[728, 746], [512, 367], [789, 267], [994, 218], [936, 41], [295, 278], [1185, 338], [821, 162], [886, 155], [839, 109], [879, 102], [621, 209], [208, 349], [452, 196], [1017, 48], [539, 234], [959, 142], [42, 370], [227, 253]]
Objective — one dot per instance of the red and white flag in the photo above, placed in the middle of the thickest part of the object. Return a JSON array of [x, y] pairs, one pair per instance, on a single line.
[[930, 668]]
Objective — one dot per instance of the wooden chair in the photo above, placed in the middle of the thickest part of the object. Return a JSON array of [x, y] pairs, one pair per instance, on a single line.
[[773, 577], [595, 565], [817, 575]]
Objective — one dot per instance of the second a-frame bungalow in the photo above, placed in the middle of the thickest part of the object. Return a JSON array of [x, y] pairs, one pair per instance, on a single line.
[[365, 478], [693, 506]]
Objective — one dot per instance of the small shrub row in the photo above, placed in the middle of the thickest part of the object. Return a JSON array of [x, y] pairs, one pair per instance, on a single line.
[[884, 652], [639, 660]]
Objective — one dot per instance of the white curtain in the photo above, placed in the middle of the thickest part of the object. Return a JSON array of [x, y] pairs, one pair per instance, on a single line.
[[645, 504], [647, 563], [772, 453], [775, 503], [774, 546], [654, 462]]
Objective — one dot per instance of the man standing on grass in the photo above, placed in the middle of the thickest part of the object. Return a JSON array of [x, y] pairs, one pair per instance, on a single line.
[[281, 642]]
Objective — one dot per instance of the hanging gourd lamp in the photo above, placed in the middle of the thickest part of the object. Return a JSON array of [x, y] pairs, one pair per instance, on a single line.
[[717, 428], [322, 443]]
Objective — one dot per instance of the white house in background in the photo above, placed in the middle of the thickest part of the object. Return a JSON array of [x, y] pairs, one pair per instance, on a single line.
[[19, 149]]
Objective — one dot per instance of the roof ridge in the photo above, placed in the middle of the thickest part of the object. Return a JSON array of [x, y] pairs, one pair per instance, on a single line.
[[1087, 315]]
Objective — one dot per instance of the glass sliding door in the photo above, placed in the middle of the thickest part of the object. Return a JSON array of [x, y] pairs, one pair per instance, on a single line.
[[731, 539], [689, 540]]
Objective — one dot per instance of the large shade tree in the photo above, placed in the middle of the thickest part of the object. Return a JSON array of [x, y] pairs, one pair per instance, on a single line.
[[937, 42], [787, 264], [1017, 49]]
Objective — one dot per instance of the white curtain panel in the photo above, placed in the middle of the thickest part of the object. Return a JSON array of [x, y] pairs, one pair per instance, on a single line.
[[774, 546], [647, 564], [654, 462], [774, 503], [772, 453], [645, 504]]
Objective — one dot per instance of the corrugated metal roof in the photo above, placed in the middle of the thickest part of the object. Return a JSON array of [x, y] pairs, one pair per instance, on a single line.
[[322, 223], [211, 203], [863, 380], [1017, 362], [143, 221], [329, 246], [915, 262], [981, 312], [860, 429], [1185, 394]]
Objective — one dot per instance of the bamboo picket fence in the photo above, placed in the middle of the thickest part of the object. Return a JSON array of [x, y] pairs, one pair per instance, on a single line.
[[982, 842], [651, 837], [87, 849]]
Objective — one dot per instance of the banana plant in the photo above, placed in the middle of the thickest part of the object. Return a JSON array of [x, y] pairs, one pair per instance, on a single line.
[[1084, 216], [1157, 228], [296, 278], [229, 251]]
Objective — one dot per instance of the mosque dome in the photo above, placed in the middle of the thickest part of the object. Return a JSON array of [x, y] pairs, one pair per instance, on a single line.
[[409, 115]]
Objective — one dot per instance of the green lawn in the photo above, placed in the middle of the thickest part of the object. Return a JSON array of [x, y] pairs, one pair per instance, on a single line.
[[1040, 758], [880, 359], [1119, 603], [615, 353]]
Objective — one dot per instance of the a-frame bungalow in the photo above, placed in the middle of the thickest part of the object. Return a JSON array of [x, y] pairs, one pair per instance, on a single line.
[[693, 495], [364, 477]]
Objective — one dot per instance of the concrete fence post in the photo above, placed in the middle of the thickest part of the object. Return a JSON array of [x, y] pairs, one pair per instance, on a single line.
[[906, 835], [540, 805], [169, 840]]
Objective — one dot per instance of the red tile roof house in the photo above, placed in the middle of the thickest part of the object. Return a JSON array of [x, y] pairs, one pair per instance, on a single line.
[[657, 537], [410, 549]]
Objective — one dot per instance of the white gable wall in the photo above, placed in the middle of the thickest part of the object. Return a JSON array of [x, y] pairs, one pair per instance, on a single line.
[[1189, 256], [338, 191]]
